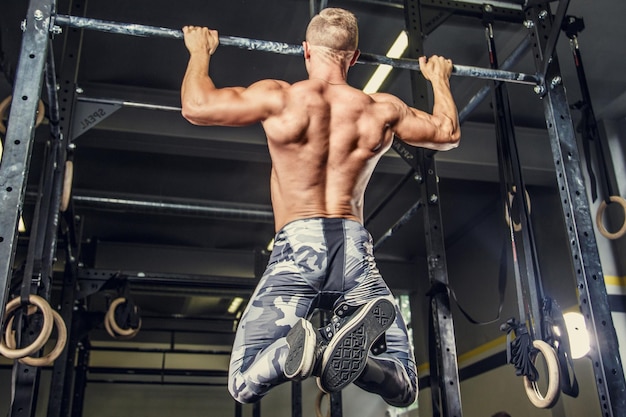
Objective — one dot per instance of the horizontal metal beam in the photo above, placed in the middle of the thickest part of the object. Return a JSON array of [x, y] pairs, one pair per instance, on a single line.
[[133, 29], [214, 210]]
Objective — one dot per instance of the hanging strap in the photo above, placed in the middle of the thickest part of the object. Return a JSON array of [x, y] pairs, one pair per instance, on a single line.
[[520, 350], [553, 317], [502, 283]]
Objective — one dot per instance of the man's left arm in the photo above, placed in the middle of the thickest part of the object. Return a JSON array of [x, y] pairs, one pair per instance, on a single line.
[[205, 104]]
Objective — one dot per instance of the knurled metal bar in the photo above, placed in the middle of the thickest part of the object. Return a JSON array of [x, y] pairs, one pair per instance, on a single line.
[[591, 289], [285, 48], [446, 395]]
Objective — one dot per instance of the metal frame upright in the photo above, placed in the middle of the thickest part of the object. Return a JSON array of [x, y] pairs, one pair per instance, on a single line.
[[21, 133], [593, 297], [592, 294], [35, 56], [446, 393]]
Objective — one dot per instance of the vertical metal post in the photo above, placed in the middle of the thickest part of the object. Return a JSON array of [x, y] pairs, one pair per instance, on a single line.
[[593, 299], [256, 409], [20, 134], [60, 399], [296, 399], [63, 376], [336, 404], [446, 367], [14, 172], [80, 383]]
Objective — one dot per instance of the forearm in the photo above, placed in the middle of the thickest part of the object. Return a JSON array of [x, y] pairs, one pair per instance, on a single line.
[[197, 85], [444, 109]]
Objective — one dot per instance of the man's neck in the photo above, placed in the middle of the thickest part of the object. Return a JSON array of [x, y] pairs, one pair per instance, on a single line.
[[331, 74]]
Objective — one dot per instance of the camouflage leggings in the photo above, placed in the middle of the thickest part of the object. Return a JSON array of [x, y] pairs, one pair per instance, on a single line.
[[316, 263]]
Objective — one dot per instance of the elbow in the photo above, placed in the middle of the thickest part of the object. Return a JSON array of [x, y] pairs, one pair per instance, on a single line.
[[189, 116], [193, 114], [453, 142], [451, 137], [455, 138]]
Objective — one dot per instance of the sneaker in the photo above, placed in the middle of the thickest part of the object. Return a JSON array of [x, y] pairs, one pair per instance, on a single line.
[[345, 356], [301, 357]]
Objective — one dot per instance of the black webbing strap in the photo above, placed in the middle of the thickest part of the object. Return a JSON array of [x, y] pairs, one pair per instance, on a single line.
[[588, 126], [584, 129], [127, 313], [502, 283], [559, 340], [520, 350]]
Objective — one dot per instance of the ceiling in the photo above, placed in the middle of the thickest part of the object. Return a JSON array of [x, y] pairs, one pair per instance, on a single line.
[[189, 208]]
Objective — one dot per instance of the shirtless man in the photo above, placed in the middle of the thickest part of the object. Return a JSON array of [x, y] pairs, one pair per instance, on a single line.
[[324, 138]]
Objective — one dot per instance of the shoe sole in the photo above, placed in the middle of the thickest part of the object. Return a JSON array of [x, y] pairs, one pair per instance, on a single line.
[[301, 351], [346, 355]]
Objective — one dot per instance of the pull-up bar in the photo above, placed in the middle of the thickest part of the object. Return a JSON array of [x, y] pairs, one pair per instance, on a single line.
[[285, 48]]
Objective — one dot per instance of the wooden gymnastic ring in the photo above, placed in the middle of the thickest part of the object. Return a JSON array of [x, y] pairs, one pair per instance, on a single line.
[[600, 213], [6, 103], [107, 327], [49, 358], [111, 325], [553, 391], [111, 319], [44, 335], [67, 185], [318, 404], [507, 217]]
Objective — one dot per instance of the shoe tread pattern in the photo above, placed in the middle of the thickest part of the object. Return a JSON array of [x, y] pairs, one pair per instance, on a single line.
[[347, 360], [297, 341]]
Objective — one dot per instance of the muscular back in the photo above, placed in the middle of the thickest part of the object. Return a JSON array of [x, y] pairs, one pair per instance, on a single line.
[[324, 143]]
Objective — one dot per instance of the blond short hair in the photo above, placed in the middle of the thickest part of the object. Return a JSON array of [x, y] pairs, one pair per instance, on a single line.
[[334, 28]]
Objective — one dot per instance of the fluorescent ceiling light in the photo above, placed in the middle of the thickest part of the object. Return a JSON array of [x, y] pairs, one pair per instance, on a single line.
[[235, 304], [381, 73]]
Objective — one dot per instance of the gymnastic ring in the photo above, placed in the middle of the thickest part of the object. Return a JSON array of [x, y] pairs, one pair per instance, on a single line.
[[9, 333], [4, 106], [49, 358], [44, 335], [107, 327], [115, 330], [552, 393], [67, 185], [600, 213], [516, 226], [318, 404], [111, 319]]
